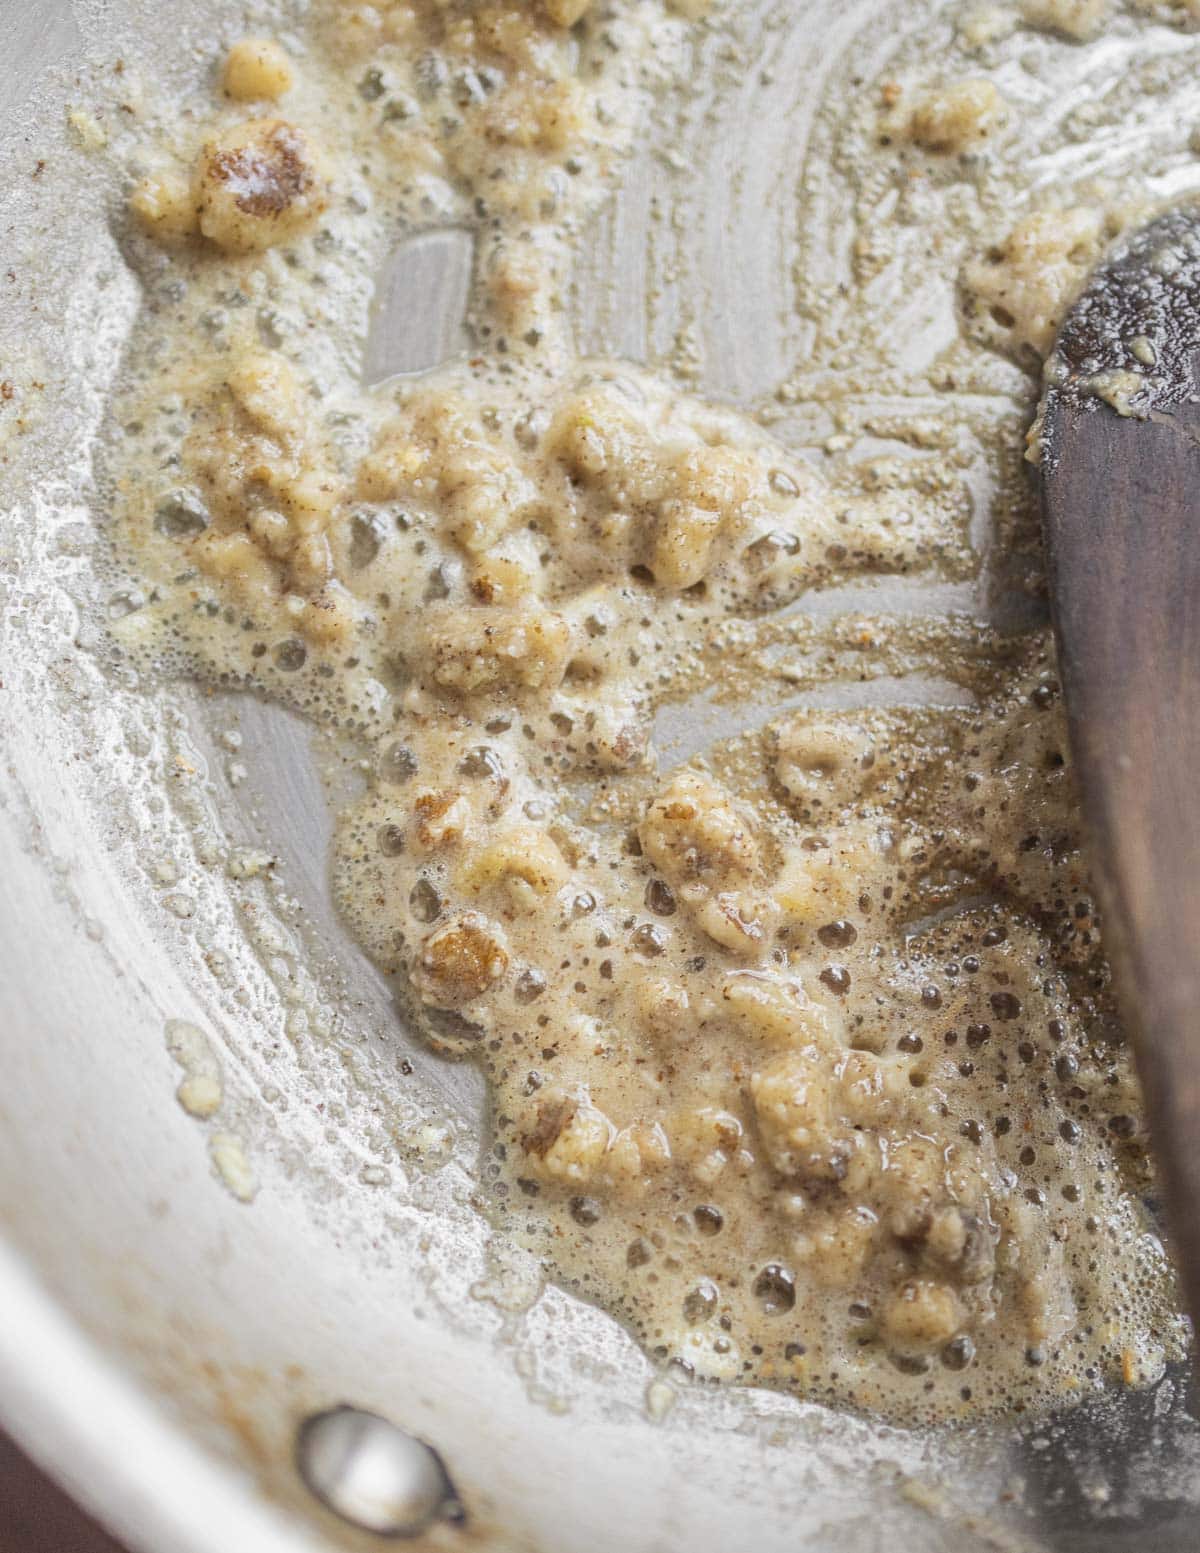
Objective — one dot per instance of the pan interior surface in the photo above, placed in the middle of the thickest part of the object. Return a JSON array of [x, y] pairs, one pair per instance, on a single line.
[[190, 1290]]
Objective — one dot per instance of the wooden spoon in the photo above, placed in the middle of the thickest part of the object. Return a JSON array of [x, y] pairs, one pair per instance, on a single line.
[[1120, 438]]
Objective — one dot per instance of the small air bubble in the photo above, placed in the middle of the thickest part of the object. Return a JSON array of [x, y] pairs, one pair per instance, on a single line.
[[775, 1289], [424, 901], [398, 763], [958, 1352], [700, 1303], [181, 515], [529, 986], [391, 840], [650, 939], [709, 1220], [290, 654]]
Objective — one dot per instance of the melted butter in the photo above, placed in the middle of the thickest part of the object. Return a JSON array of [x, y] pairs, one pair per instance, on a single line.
[[802, 1053]]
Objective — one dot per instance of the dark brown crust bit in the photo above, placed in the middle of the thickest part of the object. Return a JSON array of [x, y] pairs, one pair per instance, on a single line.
[[266, 182], [553, 1116], [429, 808]]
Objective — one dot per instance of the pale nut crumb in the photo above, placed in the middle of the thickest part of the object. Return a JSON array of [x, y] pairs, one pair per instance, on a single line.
[[1076, 19], [1021, 291], [165, 207], [958, 117], [986, 24], [257, 70], [922, 1315], [565, 13]]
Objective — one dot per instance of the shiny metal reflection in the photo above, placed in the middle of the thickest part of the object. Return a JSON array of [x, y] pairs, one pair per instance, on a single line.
[[374, 1475]]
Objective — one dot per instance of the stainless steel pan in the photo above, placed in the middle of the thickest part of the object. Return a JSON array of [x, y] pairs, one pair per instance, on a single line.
[[162, 1344]]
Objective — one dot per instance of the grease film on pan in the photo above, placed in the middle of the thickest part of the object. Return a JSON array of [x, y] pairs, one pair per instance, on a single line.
[[717, 801]]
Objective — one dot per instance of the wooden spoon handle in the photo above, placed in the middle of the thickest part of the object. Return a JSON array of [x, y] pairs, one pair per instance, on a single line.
[[1122, 506]]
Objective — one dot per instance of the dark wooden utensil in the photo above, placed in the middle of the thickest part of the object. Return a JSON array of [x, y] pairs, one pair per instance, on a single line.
[[1122, 515]]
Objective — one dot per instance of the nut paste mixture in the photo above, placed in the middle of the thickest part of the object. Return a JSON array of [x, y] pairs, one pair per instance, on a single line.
[[801, 1049]]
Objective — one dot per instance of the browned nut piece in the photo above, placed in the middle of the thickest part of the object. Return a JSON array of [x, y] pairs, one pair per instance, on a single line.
[[460, 961], [258, 184]]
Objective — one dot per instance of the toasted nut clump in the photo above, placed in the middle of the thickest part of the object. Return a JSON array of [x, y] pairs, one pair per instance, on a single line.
[[460, 961], [708, 852], [957, 117], [679, 556], [569, 1139], [709, 1139], [473, 651], [921, 1315], [1021, 291], [258, 184], [522, 864], [793, 1108], [268, 486], [437, 448], [694, 833]]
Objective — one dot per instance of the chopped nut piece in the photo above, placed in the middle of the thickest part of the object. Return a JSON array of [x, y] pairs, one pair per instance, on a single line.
[[565, 13], [777, 1012], [258, 184], [569, 1139], [523, 863], [693, 833], [795, 1119], [957, 117], [460, 961], [664, 1007], [921, 1316], [166, 207], [1021, 292], [1077, 19], [257, 70], [442, 817], [473, 651]]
